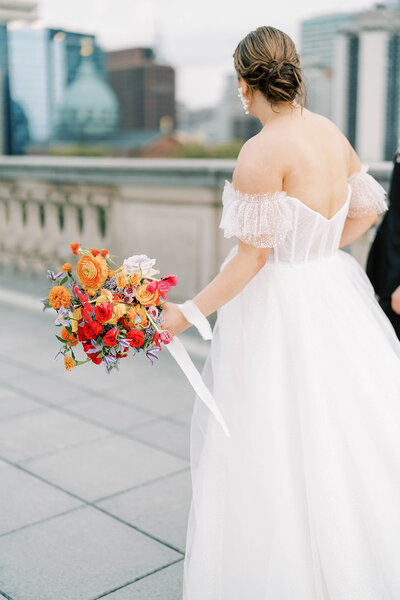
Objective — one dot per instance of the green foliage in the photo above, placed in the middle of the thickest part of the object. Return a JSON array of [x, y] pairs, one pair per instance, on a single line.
[[79, 150], [198, 150]]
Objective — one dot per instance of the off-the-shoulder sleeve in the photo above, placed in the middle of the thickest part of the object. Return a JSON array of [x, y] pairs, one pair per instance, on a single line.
[[367, 195], [262, 220]]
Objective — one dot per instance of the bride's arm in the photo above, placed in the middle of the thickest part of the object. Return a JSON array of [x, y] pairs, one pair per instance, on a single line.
[[238, 271], [355, 227], [249, 259]]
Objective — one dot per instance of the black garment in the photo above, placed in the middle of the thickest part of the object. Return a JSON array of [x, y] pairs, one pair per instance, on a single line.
[[383, 264]]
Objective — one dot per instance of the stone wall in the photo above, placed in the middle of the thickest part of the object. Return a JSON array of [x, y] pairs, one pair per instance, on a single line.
[[168, 209]]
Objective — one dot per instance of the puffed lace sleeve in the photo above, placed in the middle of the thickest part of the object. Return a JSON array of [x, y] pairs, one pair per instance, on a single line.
[[262, 220], [367, 195]]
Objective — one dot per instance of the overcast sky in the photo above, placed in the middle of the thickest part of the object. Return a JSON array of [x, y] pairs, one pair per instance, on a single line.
[[197, 39]]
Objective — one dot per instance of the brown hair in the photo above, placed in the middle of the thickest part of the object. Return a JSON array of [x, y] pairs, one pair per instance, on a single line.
[[267, 60]]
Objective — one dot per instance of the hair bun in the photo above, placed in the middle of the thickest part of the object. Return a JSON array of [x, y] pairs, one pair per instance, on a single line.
[[267, 60]]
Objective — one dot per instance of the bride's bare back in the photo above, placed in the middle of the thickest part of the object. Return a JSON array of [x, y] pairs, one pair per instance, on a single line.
[[304, 154]]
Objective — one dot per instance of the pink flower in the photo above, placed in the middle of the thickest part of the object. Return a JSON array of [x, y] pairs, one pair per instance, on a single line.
[[164, 286], [165, 336], [172, 279], [151, 287]]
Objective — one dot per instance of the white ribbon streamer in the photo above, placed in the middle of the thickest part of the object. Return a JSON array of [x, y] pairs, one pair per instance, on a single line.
[[179, 352], [194, 315]]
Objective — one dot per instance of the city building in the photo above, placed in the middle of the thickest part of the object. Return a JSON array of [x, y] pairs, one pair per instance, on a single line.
[[145, 89], [11, 11], [42, 63], [89, 107], [366, 83], [219, 124], [317, 54]]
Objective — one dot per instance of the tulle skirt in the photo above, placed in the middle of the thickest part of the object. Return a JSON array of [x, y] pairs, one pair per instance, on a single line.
[[302, 502]]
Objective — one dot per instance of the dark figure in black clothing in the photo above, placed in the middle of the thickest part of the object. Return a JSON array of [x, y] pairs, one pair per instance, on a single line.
[[383, 264]]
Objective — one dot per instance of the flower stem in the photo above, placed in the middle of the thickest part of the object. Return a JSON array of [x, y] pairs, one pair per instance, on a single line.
[[152, 322]]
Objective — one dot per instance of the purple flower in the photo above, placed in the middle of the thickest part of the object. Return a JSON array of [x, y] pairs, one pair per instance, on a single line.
[[63, 316], [57, 355], [122, 344], [152, 353], [44, 300], [50, 275]]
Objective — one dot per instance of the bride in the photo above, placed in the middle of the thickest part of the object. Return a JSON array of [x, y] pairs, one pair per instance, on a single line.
[[302, 500]]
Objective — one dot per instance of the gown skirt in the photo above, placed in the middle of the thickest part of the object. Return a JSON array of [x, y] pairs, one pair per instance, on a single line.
[[302, 502]]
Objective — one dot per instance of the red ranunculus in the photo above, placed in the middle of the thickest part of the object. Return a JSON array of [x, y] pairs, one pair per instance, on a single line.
[[86, 345], [135, 337], [95, 358], [97, 328], [103, 311], [110, 338], [87, 331], [81, 334]]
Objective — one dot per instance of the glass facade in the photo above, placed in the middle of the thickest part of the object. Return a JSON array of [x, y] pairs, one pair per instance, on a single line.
[[317, 36], [41, 63]]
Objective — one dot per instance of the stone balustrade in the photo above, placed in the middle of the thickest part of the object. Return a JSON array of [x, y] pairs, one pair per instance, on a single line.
[[168, 209]]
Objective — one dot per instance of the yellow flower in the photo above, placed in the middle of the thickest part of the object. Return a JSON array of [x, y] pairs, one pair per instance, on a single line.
[[135, 279], [69, 362], [119, 309], [76, 316], [105, 296], [121, 280], [59, 295]]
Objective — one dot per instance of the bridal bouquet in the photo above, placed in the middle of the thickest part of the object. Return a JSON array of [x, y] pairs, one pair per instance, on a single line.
[[108, 311]]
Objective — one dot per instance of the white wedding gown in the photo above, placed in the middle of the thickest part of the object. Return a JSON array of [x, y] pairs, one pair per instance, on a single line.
[[302, 501]]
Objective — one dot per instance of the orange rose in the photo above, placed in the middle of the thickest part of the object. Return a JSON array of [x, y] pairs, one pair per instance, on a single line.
[[69, 362], [75, 247], [104, 252], [94, 251], [145, 297], [135, 279], [121, 280], [70, 338], [128, 321], [66, 267], [92, 272], [59, 295]]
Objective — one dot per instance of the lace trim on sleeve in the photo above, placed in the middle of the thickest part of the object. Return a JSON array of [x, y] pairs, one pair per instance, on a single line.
[[367, 195], [262, 220]]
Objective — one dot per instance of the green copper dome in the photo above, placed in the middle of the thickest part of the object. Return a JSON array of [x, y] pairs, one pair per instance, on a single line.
[[89, 108]]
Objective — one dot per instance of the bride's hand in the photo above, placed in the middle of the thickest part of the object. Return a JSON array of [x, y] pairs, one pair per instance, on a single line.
[[174, 320]]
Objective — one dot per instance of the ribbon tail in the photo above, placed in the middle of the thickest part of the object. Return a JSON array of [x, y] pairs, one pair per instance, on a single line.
[[180, 354]]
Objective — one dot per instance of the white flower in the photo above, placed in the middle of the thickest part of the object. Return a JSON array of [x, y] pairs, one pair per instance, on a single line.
[[140, 263]]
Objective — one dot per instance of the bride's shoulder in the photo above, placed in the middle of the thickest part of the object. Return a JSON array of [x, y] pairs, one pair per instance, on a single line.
[[259, 165]]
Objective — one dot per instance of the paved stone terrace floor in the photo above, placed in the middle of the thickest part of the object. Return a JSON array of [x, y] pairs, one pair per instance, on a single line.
[[94, 468]]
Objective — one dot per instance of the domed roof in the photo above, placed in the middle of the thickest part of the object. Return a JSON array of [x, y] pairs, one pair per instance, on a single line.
[[89, 108]]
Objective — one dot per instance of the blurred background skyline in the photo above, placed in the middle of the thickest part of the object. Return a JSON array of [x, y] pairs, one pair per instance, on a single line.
[[144, 78]]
